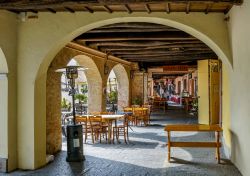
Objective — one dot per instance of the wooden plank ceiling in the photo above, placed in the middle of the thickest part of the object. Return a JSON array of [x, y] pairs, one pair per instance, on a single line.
[[129, 6], [146, 43]]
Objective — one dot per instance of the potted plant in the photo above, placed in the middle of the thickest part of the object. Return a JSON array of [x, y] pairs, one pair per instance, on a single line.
[[65, 105], [113, 96], [137, 101]]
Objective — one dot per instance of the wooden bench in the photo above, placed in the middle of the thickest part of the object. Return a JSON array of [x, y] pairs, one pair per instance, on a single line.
[[199, 128]]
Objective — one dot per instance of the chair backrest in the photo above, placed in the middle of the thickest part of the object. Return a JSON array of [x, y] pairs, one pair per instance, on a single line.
[[126, 120], [95, 120], [138, 111], [81, 119], [148, 107], [127, 109]]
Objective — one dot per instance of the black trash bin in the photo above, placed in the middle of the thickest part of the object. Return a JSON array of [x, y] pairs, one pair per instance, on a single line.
[[74, 143]]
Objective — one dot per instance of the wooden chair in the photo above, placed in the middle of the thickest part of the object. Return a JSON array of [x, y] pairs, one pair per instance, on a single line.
[[138, 114], [148, 112], [121, 130], [95, 113], [86, 128], [131, 118], [97, 128]]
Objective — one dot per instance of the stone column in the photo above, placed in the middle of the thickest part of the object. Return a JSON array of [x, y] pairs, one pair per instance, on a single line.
[[53, 112]]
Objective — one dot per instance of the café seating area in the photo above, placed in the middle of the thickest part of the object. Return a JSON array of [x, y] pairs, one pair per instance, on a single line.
[[109, 127]]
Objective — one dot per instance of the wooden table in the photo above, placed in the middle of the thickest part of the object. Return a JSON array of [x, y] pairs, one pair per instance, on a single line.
[[158, 103], [109, 118], [199, 128], [132, 109]]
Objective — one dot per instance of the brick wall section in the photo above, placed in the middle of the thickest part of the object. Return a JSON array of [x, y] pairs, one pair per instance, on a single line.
[[139, 86]]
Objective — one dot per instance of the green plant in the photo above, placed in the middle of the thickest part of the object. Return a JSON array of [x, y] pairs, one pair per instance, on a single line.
[[113, 96], [65, 104], [81, 98], [84, 88], [137, 101]]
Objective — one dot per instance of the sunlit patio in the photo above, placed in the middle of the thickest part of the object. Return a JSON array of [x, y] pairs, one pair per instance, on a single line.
[[146, 153]]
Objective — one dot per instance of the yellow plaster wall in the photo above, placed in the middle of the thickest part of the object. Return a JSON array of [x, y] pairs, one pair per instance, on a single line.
[[226, 114], [203, 92], [239, 27], [39, 41], [8, 45]]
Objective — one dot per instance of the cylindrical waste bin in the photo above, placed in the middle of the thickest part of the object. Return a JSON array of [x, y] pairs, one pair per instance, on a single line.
[[74, 143]]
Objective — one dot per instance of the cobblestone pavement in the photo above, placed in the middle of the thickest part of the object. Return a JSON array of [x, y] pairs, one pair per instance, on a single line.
[[146, 154]]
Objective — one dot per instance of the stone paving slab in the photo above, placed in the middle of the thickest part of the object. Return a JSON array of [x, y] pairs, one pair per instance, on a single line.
[[145, 155]]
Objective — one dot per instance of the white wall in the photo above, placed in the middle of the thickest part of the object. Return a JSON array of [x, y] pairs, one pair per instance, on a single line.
[[239, 28], [8, 45]]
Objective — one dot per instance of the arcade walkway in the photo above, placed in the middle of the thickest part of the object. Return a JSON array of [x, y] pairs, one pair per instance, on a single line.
[[145, 155]]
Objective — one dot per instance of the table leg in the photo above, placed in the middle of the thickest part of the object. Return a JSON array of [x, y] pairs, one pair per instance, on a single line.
[[109, 131], [169, 147], [116, 132], [218, 146]]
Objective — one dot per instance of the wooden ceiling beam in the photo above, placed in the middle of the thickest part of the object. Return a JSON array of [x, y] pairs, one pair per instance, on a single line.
[[159, 54], [106, 7], [171, 58], [88, 9], [177, 35], [121, 30], [115, 44], [128, 9], [168, 8], [33, 11], [139, 25], [209, 6], [147, 8], [51, 10], [44, 3], [135, 48], [69, 9], [138, 39], [162, 51], [188, 7], [227, 9]]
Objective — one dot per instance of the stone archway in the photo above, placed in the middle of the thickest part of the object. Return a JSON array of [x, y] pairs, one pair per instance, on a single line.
[[210, 31], [94, 80], [53, 94], [123, 86], [3, 107]]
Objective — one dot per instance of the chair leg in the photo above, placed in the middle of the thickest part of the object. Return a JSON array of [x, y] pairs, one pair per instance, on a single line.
[[106, 136], [113, 135], [127, 134], [117, 135], [86, 136], [92, 136], [100, 136], [124, 134]]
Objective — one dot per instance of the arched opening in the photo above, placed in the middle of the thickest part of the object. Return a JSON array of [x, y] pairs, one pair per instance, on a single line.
[[54, 121], [112, 93], [94, 80], [185, 27], [122, 86], [81, 95], [3, 106]]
